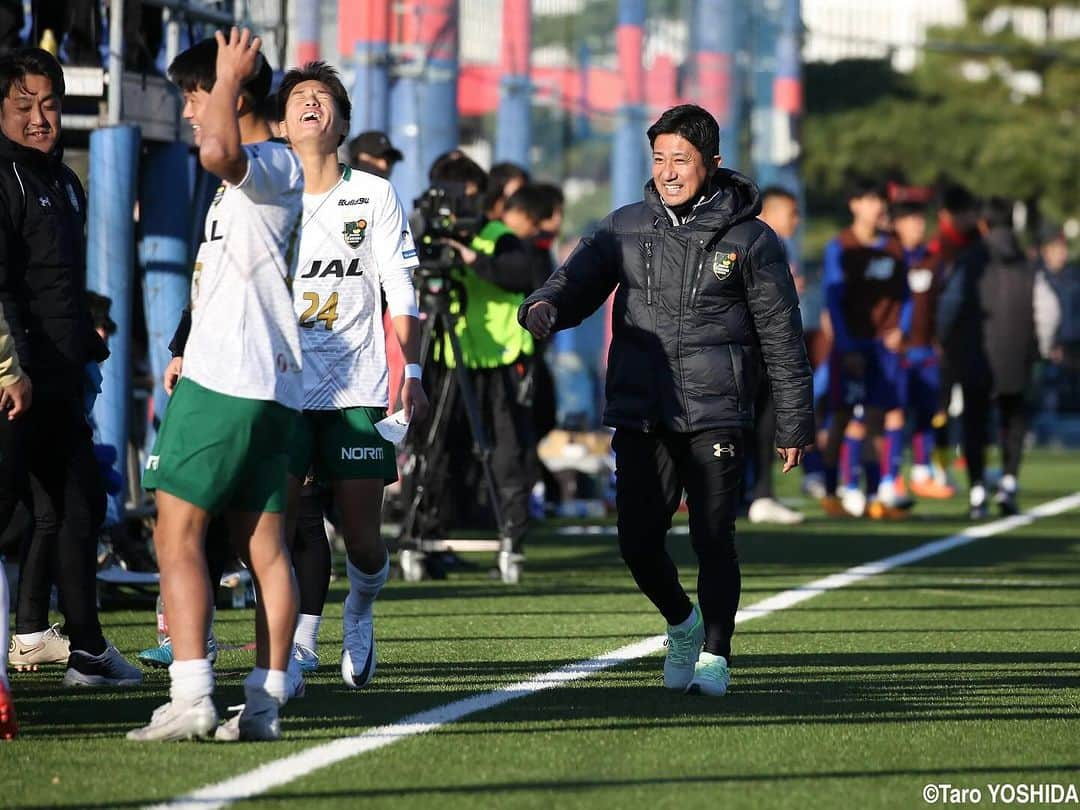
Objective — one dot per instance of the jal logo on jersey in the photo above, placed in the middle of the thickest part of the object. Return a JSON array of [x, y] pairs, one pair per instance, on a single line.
[[722, 264], [320, 268], [355, 232]]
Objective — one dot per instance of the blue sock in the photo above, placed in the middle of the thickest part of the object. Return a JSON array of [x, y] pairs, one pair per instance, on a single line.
[[813, 462], [851, 453], [873, 476], [832, 478], [894, 452]]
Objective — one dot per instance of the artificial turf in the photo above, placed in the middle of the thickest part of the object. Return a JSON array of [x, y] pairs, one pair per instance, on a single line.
[[963, 668]]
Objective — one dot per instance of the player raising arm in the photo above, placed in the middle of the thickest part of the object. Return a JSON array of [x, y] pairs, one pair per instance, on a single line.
[[223, 442]]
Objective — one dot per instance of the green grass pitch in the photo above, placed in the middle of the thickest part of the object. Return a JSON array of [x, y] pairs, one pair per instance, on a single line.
[[962, 669]]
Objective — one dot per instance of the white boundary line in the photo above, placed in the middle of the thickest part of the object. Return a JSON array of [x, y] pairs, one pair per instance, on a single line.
[[280, 772]]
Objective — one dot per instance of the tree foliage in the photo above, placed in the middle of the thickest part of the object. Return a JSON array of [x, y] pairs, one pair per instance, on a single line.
[[938, 123]]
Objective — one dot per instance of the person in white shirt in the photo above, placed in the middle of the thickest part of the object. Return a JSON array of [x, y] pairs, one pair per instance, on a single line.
[[355, 248], [223, 444]]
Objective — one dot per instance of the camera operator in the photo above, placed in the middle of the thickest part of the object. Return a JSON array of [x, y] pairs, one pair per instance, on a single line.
[[497, 270]]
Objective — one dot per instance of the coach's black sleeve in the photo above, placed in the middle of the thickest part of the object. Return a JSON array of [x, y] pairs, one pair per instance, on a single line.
[[583, 283], [11, 271], [774, 306]]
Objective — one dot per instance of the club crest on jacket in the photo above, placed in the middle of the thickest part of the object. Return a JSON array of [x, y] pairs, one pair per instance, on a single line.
[[722, 264]]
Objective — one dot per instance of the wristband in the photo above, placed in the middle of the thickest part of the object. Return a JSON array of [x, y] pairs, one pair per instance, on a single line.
[[412, 371]]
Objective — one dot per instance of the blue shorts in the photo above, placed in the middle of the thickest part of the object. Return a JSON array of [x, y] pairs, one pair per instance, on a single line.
[[882, 384], [923, 372]]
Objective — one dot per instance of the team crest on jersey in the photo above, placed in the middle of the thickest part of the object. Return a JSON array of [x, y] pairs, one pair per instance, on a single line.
[[355, 232], [722, 264], [218, 194]]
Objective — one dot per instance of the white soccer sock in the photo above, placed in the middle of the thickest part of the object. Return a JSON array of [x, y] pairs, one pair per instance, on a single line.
[[30, 639], [307, 631], [363, 588], [3, 623], [191, 680]]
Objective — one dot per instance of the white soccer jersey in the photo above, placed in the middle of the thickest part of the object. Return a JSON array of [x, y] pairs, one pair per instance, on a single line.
[[354, 243], [244, 341]]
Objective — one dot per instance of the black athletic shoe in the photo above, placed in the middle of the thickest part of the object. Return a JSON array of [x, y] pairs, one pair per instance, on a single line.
[[108, 669]]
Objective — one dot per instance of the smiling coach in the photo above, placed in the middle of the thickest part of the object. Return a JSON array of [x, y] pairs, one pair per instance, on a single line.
[[701, 288]]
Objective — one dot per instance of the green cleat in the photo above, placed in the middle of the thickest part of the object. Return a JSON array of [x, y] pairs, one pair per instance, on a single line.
[[683, 648], [711, 676]]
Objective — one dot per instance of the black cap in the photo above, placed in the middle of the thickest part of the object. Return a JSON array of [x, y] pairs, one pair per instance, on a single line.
[[1050, 232], [376, 144]]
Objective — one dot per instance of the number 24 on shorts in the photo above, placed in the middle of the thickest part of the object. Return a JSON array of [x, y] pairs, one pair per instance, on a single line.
[[327, 313]]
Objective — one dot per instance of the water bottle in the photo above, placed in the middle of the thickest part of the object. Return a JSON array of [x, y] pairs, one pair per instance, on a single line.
[[162, 624]]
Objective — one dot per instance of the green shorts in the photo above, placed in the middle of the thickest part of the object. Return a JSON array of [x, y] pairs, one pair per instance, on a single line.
[[342, 445], [222, 452]]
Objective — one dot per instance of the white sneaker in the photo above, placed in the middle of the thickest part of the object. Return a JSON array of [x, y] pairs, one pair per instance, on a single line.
[[977, 506], [770, 510], [257, 721], [683, 649], [358, 658], [813, 486], [854, 501], [888, 495], [178, 721]]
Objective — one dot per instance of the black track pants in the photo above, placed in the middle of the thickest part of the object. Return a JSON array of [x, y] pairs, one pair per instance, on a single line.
[[652, 470]]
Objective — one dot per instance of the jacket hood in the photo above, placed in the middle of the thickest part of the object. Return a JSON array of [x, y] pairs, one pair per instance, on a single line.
[[9, 150], [1003, 246], [731, 198]]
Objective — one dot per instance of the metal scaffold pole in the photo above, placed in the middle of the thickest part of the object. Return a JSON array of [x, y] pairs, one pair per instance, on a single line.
[[629, 155], [716, 29], [110, 271], [364, 36], [423, 95], [513, 127]]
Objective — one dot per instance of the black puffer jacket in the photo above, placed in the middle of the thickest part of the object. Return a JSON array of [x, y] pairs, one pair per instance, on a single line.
[[986, 315], [697, 305], [43, 269]]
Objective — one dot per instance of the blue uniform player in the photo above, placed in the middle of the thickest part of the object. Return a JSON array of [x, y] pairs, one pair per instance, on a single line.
[[921, 354], [869, 304]]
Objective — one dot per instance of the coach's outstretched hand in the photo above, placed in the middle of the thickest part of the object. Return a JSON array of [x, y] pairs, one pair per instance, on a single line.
[[791, 456], [541, 318]]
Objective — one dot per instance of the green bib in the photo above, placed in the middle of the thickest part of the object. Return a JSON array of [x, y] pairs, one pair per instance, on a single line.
[[487, 327]]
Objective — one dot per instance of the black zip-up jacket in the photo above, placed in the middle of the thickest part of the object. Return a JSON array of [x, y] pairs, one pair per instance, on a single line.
[[986, 315], [697, 306], [43, 269]]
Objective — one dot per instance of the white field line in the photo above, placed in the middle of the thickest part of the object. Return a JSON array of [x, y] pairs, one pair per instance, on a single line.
[[281, 772]]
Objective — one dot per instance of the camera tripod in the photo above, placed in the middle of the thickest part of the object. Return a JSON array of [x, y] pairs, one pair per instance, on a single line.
[[456, 382]]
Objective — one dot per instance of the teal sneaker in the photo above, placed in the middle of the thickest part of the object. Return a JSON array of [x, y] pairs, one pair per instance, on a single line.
[[161, 657], [683, 648], [711, 676]]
